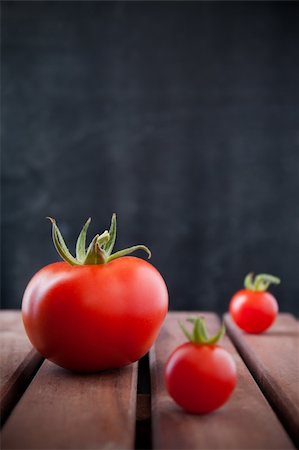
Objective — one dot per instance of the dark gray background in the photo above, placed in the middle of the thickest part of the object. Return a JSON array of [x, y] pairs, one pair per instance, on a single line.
[[180, 116]]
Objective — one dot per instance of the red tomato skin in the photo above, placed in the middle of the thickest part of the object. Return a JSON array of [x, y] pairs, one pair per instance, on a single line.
[[95, 317], [200, 378], [253, 311]]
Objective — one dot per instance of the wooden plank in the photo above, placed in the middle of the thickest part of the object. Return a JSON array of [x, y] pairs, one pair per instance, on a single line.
[[245, 422], [19, 362], [273, 359], [63, 410]]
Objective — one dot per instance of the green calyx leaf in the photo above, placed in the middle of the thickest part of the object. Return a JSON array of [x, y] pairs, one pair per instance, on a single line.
[[112, 236], [199, 332], [99, 250], [260, 282], [60, 245], [128, 251], [81, 242]]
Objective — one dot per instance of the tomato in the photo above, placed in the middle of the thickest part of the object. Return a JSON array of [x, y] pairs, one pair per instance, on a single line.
[[254, 309], [95, 316], [200, 375]]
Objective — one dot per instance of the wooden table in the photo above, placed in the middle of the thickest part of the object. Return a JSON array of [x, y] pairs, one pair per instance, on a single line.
[[46, 407]]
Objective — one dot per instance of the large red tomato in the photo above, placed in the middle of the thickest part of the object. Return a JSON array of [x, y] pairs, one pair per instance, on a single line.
[[98, 314]]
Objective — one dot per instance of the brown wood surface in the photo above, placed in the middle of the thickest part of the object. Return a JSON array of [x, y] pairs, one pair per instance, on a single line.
[[62, 410], [273, 359], [18, 360], [245, 422]]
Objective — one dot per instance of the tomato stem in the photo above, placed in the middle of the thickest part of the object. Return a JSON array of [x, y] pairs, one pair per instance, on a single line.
[[99, 250], [199, 333], [260, 282]]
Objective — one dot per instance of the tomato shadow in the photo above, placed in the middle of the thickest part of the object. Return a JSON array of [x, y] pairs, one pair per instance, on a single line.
[[67, 373], [279, 333]]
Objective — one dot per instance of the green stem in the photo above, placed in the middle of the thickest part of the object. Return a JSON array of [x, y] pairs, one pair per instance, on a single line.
[[260, 282], [199, 333], [99, 250], [108, 247], [94, 254]]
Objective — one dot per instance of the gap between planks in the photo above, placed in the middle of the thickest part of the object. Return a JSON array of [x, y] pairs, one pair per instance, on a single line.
[[143, 434]]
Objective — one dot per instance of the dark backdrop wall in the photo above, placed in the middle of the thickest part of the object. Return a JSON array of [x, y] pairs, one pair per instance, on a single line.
[[180, 116]]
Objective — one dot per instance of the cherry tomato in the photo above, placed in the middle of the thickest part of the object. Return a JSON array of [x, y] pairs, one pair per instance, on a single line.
[[200, 375], [94, 316], [254, 309]]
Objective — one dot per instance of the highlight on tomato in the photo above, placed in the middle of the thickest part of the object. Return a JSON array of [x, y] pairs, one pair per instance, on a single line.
[[98, 310], [200, 375], [254, 309]]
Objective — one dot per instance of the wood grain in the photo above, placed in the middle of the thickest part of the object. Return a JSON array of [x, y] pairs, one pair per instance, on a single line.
[[273, 359], [245, 422], [19, 361], [62, 410]]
